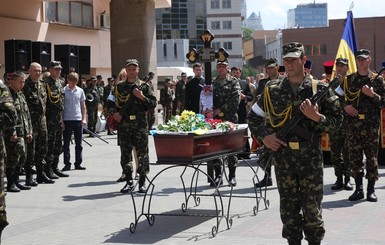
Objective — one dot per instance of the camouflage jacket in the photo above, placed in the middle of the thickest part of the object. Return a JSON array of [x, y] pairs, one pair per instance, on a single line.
[[23, 121], [166, 95], [364, 104], [226, 94], [128, 104], [95, 92], [8, 115], [36, 97], [180, 92], [55, 96], [281, 97]]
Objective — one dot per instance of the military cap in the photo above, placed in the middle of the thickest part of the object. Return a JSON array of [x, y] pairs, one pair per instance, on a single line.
[[308, 64], [364, 53], [167, 80], [99, 77], [343, 61], [272, 62], [183, 74], [292, 50], [55, 64], [223, 62], [328, 66], [132, 62], [110, 79]]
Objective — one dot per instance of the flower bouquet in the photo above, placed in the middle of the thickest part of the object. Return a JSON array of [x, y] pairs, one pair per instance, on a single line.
[[189, 122]]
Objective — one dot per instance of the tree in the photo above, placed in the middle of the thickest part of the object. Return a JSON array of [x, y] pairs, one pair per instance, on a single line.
[[247, 33]]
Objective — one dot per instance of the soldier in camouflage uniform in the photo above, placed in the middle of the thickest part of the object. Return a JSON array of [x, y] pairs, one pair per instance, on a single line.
[[364, 96], [133, 99], [298, 162], [151, 111], [16, 148], [8, 119], [180, 93], [338, 153], [166, 95], [93, 99], [54, 118], [36, 96], [226, 98]]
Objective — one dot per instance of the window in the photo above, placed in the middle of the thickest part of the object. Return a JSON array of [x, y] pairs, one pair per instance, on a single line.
[[77, 13], [226, 4], [215, 25], [315, 49], [215, 4], [227, 25], [216, 45], [228, 45]]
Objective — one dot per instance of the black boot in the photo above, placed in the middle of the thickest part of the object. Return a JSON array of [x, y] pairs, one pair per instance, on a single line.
[[371, 195], [11, 185], [29, 181], [142, 183], [347, 185], [295, 242], [266, 181], [49, 172], [339, 184], [41, 177], [57, 171], [129, 186], [232, 180], [359, 192], [218, 177], [18, 183]]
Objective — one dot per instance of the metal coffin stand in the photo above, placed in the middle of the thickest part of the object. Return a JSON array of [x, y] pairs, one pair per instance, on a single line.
[[192, 152]]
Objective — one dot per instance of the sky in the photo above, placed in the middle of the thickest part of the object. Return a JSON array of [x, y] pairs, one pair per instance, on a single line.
[[274, 12]]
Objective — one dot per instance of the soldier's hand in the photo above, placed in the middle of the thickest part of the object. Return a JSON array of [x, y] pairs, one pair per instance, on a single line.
[[272, 142], [368, 91], [29, 138], [310, 110], [350, 110], [138, 94], [13, 138]]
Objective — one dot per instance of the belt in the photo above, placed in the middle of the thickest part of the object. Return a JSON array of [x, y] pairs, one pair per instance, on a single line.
[[297, 145]]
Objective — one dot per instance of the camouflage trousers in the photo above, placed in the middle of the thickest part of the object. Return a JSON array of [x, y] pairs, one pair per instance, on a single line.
[[299, 176], [134, 133], [16, 153], [55, 139], [167, 110], [339, 157], [150, 118], [3, 213], [92, 117], [37, 149], [363, 138]]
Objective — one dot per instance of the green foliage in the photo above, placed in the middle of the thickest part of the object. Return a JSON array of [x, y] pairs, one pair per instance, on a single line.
[[247, 33]]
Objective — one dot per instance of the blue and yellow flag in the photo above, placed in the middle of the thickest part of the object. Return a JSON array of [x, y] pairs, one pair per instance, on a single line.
[[348, 45]]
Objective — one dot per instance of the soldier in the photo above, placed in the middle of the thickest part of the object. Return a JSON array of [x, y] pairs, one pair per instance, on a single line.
[[298, 163], [271, 68], [36, 96], [100, 86], [166, 99], [180, 93], [93, 99], [54, 118], [109, 105], [133, 99], [364, 95], [339, 157], [151, 111], [15, 141], [8, 122], [226, 97]]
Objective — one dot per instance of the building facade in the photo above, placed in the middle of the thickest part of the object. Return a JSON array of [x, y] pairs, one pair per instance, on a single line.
[[308, 15]]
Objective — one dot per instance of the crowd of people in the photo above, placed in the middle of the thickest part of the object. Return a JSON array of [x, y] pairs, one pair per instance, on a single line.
[[41, 112]]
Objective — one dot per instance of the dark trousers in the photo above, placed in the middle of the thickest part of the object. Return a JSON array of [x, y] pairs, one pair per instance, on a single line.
[[76, 128]]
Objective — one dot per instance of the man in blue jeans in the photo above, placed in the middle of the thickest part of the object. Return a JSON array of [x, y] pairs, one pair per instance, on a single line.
[[74, 118]]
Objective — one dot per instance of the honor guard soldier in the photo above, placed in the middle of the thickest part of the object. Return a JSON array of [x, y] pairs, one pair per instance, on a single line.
[[92, 102], [166, 99], [298, 162], [180, 93], [133, 99]]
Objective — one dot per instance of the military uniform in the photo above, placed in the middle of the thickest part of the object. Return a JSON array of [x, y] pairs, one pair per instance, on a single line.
[[362, 131], [92, 106], [133, 128], [151, 111], [226, 98], [180, 96], [16, 151], [54, 118], [166, 96], [8, 118], [36, 96]]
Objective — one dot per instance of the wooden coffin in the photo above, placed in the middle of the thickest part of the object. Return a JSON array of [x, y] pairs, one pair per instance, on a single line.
[[181, 149]]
